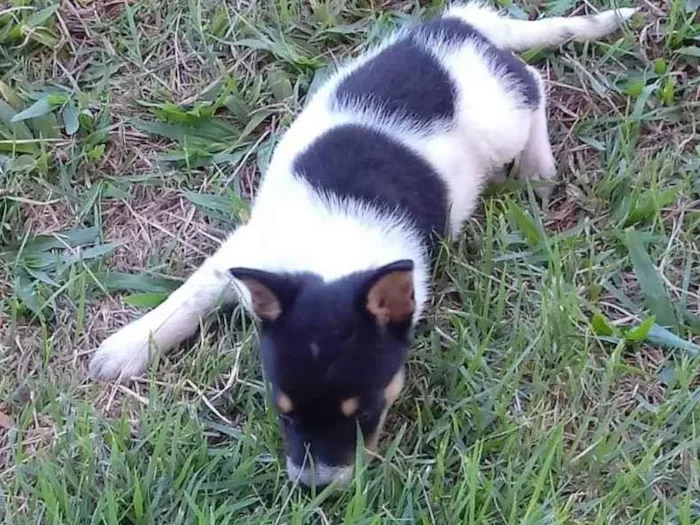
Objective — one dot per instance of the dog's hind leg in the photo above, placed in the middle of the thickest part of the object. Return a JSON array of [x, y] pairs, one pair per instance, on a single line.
[[536, 162]]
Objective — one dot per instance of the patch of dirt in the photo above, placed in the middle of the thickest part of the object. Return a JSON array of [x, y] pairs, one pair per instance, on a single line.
[[628, 390], [565, 213], [47, 218], [157, 225]]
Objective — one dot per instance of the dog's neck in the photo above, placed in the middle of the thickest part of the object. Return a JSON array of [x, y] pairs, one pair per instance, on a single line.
[[331, 238]]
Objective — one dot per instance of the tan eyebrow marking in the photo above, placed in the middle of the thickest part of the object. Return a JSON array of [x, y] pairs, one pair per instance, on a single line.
[[349, 406], [285, 404]]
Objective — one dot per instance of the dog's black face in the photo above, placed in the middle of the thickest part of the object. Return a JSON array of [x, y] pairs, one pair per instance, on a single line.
[[333, 353]]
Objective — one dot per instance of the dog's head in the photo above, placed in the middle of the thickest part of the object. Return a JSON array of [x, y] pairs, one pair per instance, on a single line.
[[333, 353]]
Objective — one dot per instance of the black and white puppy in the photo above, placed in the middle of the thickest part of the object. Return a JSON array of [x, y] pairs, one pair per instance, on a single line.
[[335, 259]]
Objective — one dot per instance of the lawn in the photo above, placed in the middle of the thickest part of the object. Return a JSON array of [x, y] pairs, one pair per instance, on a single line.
[[555, 380]]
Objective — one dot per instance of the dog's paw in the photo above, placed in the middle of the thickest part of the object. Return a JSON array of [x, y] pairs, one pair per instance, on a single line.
[[544, 180], [539, 167], [123, 355]]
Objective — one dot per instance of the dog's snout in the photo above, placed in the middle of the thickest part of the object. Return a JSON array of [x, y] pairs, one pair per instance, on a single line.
[[319, 474]]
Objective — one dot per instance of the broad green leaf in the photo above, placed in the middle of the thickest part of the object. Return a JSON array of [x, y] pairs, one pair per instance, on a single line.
[[44, 243], [23, 163], [641, 102], [69, 114], [691, 51], [12, 145], [90, 197], [525, 224], [649, 203], [26, 291], [145, 299], [691, 320], [176, 132], [211, 135], [45, 126], [650, 282], [44, 37], [96, 152], [20, 129], [41, 107], [601, 326], [264, 153], [256, 119], [639, 333], [238, 107], [42, 16], [12, 98], [41, 276], [661, 336], [137, 499], [210, 202], [320, 77], [280, 85], [94, 252], [136, 282], [114, 192]]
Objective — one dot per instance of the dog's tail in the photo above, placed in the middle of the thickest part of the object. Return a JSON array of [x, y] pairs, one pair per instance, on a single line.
[[521, 35]]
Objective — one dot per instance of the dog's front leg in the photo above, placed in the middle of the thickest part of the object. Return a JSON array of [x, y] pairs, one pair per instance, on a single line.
[[126, 353]]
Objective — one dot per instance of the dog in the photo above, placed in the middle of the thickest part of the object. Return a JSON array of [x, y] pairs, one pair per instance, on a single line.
[[387, 157]]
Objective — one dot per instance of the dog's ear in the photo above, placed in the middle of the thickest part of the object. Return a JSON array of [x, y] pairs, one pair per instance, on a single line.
[[271, 293], [389, 293]]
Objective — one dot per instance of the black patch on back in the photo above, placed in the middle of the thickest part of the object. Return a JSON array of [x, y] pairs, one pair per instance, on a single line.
[[516, 70], [358, 162], [404, 80], [448, 30], [454, 31]]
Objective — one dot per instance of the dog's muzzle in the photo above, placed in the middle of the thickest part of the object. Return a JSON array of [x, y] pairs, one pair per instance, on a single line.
[[319, 474]]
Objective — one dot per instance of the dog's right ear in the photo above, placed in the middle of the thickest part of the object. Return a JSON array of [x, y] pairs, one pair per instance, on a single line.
[[271, 293]]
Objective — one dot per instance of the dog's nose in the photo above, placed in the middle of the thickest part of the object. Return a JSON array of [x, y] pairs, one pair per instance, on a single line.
[[319, 474]]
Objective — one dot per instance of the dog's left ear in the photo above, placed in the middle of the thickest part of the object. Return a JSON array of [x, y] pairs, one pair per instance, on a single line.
[[389, 293], [271, 294]]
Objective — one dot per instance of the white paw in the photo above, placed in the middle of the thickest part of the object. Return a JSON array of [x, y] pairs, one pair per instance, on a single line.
[[612, 19], [627, 12], [541, 171], [123, 355]]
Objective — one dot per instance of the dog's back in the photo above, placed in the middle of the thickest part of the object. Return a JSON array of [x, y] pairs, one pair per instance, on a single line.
[[414, 128]]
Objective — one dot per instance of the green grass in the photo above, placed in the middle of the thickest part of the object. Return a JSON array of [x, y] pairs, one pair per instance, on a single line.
[[542, 388]]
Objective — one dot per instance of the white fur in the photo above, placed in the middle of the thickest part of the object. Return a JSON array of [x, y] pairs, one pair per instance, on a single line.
[[521, 35], [321, 474], [292, 228]]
